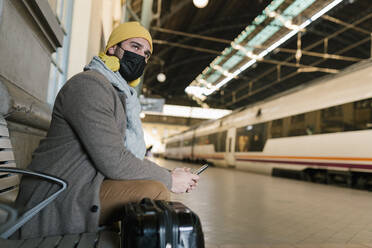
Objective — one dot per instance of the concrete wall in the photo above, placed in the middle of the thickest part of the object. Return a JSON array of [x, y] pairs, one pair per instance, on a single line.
[[29, 34], [79, 37], [20, 48], [111, 15], [92, 23], [95, 30]]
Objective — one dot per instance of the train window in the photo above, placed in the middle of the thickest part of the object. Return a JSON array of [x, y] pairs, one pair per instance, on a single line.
[[332, 112], [298, 119], [242, 139], [187, 142], [198, 141], [213, 139], [202, 140], [277, 123], [258, 137], [250, 138], [349, 119], [276, 128], [363, 114], [173, 144], [312, 122], [217, 139], [297, 125], [332, 119], [205, 140]]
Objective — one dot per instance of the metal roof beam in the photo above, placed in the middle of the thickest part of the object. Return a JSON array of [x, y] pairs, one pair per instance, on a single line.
[[199, 49], [300, 66], [289, 75], [345, 24], [321, 55], [292, 57], [203, 37]]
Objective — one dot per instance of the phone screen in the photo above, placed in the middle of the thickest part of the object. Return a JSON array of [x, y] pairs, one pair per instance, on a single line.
[[201, 169]]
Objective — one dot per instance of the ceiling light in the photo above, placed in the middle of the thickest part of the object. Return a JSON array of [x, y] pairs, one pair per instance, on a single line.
[[226, 73], [307, 69], [161, 77], [287, 23], [200, 3], [314, 69]]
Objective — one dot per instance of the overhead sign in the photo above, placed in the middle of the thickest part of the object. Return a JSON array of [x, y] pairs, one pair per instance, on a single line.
[[152, 104]]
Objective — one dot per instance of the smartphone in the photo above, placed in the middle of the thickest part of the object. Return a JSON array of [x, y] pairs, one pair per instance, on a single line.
[[201, 169]]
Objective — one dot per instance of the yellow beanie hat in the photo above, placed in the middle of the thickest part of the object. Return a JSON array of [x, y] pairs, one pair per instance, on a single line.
[[121, 33], [126, 31]]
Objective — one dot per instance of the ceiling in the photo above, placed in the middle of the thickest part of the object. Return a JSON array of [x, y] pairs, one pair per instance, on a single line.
[[344, 31]]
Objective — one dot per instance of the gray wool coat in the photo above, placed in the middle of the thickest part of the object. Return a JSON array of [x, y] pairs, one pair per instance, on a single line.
[[84, 145]]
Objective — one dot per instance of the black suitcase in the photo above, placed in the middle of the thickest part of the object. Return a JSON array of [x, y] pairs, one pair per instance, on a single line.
[[160, 224]]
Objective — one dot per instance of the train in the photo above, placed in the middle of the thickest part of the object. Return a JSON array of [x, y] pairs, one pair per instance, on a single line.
[[320, 131]]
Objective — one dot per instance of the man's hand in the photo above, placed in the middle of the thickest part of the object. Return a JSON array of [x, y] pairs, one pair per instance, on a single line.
[[183, 180]]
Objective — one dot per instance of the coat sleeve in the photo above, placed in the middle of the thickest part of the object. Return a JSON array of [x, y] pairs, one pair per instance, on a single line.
[[88, 105]]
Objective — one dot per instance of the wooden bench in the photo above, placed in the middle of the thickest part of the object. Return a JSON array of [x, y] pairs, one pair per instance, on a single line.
[[9, 182], [10, 219]]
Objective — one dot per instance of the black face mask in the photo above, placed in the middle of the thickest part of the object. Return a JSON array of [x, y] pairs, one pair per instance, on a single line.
[[131, 66]]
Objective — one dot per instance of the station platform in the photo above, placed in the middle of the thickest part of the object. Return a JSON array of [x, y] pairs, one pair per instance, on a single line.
[[241, 209]]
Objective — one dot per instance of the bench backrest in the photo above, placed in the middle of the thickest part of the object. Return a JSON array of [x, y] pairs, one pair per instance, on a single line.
[[8, 182]]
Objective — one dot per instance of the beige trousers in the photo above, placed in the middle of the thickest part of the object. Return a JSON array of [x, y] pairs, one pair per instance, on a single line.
[[115, 193]]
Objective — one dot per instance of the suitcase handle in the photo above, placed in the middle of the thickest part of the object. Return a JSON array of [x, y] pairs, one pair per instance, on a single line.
[[147, 201], [149, 205]]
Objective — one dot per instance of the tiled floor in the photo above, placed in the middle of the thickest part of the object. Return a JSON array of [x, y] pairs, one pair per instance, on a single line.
[[240, 209]]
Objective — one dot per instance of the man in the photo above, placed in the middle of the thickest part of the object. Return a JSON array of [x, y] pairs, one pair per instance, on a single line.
[[95, 142]]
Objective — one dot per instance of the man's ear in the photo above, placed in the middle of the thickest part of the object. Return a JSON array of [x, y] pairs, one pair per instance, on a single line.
[[111, 50]]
